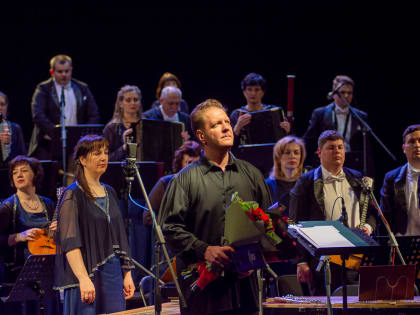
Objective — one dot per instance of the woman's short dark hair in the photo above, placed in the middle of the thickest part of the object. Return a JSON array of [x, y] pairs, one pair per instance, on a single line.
[[189, 147], [253, 79], [84, 146], [33, 163]]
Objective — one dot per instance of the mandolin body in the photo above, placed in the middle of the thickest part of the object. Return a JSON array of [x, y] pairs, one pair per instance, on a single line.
[[42, 245]]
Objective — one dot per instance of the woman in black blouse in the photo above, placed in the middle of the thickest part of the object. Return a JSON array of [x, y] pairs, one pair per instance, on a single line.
[[125, 122], [93, 263], [288, 155]]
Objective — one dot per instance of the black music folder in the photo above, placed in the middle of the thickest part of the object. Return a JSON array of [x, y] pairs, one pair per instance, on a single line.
[[265, 126], [160, 141]]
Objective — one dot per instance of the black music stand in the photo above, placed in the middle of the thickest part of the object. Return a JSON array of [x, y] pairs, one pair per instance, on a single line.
[[35, 281], [259, 155], [409, 247], [74, 133], [361, 246], [160, 141]]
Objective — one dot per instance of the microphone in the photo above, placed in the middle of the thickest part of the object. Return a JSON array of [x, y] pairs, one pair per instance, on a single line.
[[335, 91], [344, 216]]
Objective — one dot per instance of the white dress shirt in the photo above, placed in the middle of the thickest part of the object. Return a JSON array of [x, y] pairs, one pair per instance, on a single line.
[[174, 118], [340, 188], [341, 115], [70, 108], [410, 189]]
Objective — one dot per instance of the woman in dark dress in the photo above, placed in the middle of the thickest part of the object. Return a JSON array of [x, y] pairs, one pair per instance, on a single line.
[[125, 122], [22, 216], [93, 263], [288, 156]]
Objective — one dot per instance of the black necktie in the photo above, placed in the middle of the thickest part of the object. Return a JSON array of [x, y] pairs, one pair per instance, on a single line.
[[63, 103]]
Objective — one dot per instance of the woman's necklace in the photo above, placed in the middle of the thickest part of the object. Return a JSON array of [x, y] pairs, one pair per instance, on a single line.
[[32, 203]]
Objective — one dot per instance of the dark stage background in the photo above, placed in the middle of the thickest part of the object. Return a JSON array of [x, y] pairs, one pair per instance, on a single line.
[[212, 49]]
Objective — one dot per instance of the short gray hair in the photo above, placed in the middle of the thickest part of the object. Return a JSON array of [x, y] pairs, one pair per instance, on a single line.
[[169, 90]]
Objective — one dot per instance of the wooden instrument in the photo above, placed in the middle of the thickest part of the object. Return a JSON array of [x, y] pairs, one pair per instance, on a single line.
[[353, 262], [167, 276], [44, 243]]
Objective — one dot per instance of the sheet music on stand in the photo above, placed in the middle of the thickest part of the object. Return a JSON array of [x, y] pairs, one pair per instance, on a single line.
[[330, 238]]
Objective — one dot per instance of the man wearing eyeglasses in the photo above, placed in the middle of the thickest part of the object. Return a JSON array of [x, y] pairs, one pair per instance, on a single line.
[[339, 116]]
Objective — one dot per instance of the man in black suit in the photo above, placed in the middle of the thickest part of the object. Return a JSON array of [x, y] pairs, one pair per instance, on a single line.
[[338, 116], [400, 190], [80, 106], [170, 100], [318, 195]]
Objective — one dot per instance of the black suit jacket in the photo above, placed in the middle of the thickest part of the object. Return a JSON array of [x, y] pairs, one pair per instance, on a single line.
[[322, 119], [307, 197], [393, 201], [155, 113], [46, 110]]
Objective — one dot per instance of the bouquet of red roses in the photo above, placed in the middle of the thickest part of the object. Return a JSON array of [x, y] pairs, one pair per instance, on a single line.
[[248, 229]]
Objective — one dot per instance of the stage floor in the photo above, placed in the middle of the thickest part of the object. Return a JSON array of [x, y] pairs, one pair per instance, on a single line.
[[309, 305]]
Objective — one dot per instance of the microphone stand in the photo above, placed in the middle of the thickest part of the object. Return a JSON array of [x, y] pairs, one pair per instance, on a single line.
[[63, 137], [393, 240], [366, 129], [160, 240], [344, 215], [128, 168]]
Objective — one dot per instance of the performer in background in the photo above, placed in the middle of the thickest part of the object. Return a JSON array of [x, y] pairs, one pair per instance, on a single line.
[[169, 110], [127, 114], [337, 116], [193, 209], [189, 152], [93, 263], [11, 135], [22, 216], [317, 196], [169, 79], [400, 190], [80, 106], [288, 155], [253, 88]]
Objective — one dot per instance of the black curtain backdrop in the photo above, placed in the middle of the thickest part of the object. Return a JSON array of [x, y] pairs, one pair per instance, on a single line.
[[212, 49]]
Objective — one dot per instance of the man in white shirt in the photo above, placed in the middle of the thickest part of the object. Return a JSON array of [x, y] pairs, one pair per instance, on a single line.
[[318, 195], [80, 106], [400, 190], [339, 116]]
